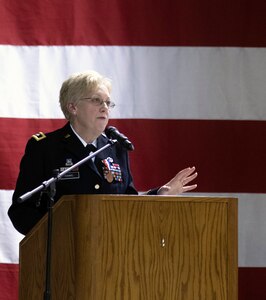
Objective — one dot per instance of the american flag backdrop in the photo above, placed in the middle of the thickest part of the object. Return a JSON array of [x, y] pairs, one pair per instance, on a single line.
[[189, 82]]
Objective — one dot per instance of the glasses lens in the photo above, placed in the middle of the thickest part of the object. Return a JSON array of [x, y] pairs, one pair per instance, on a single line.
[[98, 101]]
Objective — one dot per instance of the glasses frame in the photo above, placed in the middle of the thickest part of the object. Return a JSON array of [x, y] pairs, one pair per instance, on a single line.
[[95, 101]]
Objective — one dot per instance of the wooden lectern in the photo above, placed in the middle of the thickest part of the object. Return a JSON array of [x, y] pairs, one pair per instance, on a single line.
[[117, 247]]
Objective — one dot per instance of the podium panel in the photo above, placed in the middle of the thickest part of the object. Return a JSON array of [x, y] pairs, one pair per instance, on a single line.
[[118, 247]]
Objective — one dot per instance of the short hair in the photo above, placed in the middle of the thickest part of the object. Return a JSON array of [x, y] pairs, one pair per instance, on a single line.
[[78, 85]]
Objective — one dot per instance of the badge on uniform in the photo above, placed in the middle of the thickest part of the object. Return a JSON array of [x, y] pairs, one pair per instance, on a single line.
[[73, 174], [111, 170]]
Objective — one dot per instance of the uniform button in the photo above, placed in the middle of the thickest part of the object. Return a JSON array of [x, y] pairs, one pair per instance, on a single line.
[[97, 186]]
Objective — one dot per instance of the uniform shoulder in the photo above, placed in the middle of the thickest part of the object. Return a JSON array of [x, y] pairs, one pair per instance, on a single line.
[[44, 138]]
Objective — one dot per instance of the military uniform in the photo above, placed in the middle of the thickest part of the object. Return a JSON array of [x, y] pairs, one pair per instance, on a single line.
[[58, 150]]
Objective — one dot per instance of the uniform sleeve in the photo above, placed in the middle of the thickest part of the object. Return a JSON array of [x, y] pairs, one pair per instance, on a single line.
[[25, 215]]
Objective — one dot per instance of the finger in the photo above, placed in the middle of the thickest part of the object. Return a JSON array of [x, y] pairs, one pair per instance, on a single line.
[[185, 172], [189, 188], [189, 178]]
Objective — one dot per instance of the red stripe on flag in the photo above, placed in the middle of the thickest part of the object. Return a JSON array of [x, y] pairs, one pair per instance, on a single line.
[[9, 281], [229, 155], [15, 133], [138, 22], [252, 283]]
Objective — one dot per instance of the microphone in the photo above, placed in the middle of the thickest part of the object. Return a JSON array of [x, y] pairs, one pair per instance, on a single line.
[[113, 133]]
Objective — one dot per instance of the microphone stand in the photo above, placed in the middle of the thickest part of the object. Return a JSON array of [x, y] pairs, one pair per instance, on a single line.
[[49, 187]]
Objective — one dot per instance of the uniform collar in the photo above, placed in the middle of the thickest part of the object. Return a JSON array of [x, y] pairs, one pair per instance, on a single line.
[[94, 143]]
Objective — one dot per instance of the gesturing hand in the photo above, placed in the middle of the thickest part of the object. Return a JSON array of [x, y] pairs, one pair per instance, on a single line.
[[178, 184]]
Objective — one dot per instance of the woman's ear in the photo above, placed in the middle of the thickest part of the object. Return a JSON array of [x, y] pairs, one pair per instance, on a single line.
[[72, 108]]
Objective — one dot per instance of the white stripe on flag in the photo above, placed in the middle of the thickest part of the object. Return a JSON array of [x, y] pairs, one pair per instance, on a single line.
[[149, 82], [9, 237]]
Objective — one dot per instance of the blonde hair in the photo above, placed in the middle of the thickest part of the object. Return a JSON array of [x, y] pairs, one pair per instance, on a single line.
[[78, 85]]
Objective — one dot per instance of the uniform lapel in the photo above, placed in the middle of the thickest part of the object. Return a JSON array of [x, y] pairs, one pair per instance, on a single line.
[[72, 143], [74, 146]]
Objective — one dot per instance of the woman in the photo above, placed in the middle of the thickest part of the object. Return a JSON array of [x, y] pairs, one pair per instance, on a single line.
[[86, 103]]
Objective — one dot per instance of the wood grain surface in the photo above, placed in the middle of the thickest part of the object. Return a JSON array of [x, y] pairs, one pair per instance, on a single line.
[[135, 247]]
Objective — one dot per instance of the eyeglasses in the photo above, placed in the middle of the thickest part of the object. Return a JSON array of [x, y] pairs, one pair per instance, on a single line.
[[99, 102]]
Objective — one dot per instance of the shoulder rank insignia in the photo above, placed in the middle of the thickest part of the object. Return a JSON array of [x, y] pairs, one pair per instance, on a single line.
[[39, 136]]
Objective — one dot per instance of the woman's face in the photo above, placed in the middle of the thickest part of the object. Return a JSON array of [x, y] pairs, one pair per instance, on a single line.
[[89, 118]]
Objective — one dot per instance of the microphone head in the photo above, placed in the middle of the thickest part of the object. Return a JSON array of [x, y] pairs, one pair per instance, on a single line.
[[113, 133], [109, 130]]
